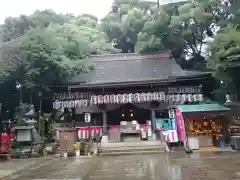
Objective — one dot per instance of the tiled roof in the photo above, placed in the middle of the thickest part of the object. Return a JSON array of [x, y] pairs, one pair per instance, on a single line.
[[132, 67]]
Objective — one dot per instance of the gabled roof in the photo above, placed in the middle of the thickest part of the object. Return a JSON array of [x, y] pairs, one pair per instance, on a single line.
[[133, 68]]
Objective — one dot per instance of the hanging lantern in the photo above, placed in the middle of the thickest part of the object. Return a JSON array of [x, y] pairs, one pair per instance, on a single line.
[[143, 97], [149, 97], [119, 99], [195, 97], [100, 99], [184, 98], [178, 98], [106, 99], [115, 99], [137, 97], [131, 98], [111, 99], [155, 96], [162, 96], [200, 97], [190, 98], [125, 98]]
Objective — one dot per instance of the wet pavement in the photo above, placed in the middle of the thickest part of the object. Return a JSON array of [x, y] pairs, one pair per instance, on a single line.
[[173, 166], [58, 168], [15, 166]]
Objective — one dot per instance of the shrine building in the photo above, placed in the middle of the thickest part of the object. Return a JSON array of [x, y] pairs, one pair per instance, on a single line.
[[129, 88]]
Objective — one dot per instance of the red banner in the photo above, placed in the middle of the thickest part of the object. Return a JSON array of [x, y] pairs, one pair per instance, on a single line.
[[180, 125]]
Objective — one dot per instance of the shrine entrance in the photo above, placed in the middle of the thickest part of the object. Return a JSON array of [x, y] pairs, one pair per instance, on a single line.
[[127, 117], [128, 112]]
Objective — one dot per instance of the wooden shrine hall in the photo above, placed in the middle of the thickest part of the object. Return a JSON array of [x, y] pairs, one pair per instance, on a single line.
[[128, 89]]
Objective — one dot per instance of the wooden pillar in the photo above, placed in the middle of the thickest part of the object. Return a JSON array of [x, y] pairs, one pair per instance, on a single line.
[[153, 106], [104, 117], [153, 119]]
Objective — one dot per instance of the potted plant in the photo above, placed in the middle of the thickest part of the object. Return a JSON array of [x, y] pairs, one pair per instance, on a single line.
[[77, 146]]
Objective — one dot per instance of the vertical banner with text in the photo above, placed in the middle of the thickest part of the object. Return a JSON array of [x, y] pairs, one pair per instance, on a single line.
[[180, 125]]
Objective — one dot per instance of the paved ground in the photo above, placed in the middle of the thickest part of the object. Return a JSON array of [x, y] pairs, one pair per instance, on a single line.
[[56, 168], [175, 166], [15, 166]]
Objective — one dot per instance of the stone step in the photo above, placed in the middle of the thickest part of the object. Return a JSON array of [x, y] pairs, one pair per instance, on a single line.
[[130, 152], [115, 145], [130, 148]]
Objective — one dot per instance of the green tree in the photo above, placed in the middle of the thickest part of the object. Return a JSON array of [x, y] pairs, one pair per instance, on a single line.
[[224, 57], [181, 28], [125, 20], [156, 34], [229, 14], [16, 27], [51, 55], [46, 49], [87, 20]]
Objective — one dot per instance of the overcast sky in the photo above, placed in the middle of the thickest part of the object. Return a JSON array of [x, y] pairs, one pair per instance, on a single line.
[[16, 7], [98, 8]]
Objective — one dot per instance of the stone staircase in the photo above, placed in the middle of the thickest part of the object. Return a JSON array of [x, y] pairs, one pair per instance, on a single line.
[[131, 148]]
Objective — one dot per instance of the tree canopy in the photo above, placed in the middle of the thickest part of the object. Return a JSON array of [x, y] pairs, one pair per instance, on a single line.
[[180, 27], [49, 48], [200, 35], [46, 48]]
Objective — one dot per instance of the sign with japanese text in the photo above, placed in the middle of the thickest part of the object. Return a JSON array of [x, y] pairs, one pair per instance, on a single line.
[[87, 117], [180, 125]]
